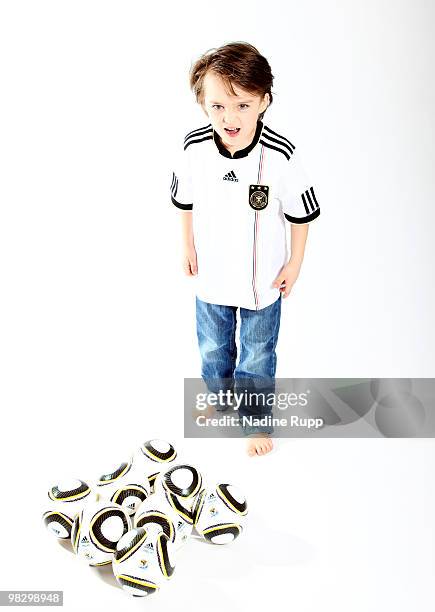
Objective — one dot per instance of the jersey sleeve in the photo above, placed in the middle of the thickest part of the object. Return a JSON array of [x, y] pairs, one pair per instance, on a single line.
[[181, 183], [299, 202]]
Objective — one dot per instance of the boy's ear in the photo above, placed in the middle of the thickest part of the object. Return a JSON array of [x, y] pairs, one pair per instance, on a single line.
[[266, 101]]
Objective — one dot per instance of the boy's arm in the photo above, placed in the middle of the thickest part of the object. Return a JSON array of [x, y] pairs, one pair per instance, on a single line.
[[182, 198], [290, 272], [186, 228], [298, 239], [300, 208], [189, 259]]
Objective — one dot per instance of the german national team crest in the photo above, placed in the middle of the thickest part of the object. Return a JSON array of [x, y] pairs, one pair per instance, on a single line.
[[258, 196]]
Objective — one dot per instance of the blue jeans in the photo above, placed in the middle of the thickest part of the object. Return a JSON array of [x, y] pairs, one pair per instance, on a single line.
[[255, 372]]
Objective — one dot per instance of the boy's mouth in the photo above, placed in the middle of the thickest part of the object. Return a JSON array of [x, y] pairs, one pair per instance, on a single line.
[[232, 131]]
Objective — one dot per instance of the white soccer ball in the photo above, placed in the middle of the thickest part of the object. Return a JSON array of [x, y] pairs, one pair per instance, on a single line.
[[97, 530], [143, 560], [153, 457], [219, 513], [167, 511], [66, 499], [125, 486], [182, 480]]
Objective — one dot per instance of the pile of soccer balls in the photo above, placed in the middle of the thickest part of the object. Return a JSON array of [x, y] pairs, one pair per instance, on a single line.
[[138, 516]]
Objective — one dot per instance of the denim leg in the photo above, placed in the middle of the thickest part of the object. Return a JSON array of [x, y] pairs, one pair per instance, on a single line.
[[216, 332], [255, 372]]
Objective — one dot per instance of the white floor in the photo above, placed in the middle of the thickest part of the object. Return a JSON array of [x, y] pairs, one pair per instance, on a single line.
[[334, 525]]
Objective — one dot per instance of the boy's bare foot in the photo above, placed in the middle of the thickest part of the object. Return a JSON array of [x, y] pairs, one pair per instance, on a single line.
[[259, 444], [208, 412]]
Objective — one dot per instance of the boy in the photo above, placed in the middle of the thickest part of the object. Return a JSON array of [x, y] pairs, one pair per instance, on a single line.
[[238, 183]]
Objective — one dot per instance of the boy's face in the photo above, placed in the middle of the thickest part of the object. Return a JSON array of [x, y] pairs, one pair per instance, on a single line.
[[228, 111]]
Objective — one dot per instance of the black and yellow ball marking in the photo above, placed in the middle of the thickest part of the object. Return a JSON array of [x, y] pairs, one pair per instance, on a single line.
[[122, 470], [155, 455], [223, 528], [62, 519], [141, 585], [100, 564], [162, 554], [231, 503], [156, 516], [179, 508], [96, 534], [185, 492], [132, 547], [75, 531], [80, 492], [152, 480], [130, 490], [198, 506]]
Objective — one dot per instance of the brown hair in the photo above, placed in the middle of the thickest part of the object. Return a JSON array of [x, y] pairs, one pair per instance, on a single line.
[[236, 62]]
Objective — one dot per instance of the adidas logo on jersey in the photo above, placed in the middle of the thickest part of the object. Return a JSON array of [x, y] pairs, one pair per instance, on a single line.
[[131, 506], [149, 546], [230, 176]]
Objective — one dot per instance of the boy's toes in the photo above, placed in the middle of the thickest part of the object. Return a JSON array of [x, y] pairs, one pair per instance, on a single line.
[[251, 448], [259, 445], [265, 446]]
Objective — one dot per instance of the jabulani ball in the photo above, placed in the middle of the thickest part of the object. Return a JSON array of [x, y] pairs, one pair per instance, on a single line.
[[65, 500], [153, 457], [182, 480], [219, 513], [143, 560], [167, 511], [125, 485], [97, 530]]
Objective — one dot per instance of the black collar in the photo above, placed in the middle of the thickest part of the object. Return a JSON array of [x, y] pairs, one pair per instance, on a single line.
[[241, 152]]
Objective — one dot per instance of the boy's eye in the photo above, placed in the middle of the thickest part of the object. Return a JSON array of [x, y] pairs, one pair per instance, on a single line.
[[220, 106]]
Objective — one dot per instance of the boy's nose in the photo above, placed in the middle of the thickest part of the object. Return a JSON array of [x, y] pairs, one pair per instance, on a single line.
[[230, 120]]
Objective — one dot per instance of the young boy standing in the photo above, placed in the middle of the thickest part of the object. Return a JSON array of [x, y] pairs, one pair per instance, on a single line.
[[239, 183]]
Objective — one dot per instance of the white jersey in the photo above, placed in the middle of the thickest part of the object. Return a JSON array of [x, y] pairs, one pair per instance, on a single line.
[[240, 204]]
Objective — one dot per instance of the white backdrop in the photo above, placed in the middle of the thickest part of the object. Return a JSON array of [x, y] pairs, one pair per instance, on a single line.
[[97, 319]]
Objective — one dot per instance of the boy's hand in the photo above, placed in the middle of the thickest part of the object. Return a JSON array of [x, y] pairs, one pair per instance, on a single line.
[[190, 265], [287, 278]]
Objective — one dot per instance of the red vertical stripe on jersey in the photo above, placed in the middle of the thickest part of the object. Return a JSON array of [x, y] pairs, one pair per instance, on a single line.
[[256, 227]]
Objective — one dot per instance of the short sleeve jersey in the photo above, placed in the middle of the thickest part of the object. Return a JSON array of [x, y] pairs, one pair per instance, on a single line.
[[240, 205]]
